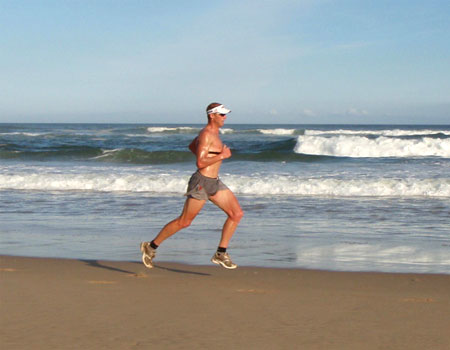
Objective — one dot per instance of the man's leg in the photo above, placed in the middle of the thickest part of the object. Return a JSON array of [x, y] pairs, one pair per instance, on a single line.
[[227, 201], [191, 208]]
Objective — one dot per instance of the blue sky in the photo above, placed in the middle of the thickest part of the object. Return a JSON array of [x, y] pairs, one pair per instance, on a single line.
[[270, 61]]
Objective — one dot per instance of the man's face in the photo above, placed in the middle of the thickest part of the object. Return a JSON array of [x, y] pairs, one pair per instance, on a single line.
[[220, 119]]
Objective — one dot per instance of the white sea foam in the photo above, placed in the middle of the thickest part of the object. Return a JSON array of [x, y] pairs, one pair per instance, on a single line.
[[31, 134], [226, 131], [392, 133], [93, 182], [251, 185], [106, 153], [138, 135], [359, 146], [291, 185], [158, 129], [277, 131]]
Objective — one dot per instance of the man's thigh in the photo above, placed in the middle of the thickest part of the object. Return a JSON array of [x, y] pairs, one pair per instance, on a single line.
[[191, 208], [227, 201]]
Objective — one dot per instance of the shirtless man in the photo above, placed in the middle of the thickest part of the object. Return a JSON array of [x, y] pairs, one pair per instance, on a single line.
[[203, 185]]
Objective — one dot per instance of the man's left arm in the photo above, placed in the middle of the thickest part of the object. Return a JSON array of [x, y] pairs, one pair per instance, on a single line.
[[193, 145]]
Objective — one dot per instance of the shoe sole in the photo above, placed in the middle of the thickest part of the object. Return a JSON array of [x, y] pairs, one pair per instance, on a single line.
[[218, 262], [143, 257]]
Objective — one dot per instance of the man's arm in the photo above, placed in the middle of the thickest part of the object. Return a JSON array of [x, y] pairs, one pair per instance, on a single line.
[[205, 140], [193, 145]]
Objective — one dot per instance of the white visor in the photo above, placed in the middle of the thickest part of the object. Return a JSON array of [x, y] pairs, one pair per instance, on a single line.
[[219, 109]]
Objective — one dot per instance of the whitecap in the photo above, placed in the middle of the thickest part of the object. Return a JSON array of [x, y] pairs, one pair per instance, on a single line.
[[359, 146], [277, 131]]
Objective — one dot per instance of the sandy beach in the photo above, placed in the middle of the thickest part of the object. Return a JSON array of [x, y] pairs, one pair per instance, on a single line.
[[88, 304]]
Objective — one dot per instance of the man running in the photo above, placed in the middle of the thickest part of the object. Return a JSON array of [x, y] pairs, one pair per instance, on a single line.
[[205, 184]]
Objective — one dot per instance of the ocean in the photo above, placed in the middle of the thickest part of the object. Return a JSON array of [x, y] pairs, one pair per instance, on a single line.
[[334, 197]]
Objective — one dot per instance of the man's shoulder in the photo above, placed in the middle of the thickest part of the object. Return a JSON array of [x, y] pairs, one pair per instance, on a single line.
[[206, 133]]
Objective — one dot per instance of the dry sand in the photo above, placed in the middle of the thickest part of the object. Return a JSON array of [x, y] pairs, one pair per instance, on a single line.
[[76, 304]]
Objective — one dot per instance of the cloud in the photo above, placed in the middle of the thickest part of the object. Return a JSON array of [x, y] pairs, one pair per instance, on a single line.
[[357, 112], [308, 112], [273, 111]]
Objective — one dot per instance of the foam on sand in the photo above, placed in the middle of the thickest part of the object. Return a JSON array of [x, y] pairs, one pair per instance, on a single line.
[[367, 256]]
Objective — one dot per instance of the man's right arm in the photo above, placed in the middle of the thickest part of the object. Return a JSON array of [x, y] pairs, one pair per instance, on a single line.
[[204, 142]]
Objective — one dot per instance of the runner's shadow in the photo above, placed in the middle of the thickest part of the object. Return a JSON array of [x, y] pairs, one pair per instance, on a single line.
[[95, 263], [171, 269]]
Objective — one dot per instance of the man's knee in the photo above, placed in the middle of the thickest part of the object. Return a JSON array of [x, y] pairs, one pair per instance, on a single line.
[[183, 223], [236, 215]]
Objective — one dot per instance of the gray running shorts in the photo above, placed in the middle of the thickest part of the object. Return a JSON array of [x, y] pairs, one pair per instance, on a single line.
[[202, 187]]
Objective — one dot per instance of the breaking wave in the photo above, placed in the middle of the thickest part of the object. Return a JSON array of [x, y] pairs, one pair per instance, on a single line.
[[391, 132], [174, 130], [46, 180], [382, 146]]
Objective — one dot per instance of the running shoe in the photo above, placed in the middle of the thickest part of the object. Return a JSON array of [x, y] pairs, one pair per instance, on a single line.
[[148, 253], [224, 260]]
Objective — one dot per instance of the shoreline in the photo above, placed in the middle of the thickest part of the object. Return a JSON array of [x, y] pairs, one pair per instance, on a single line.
[[92, 304], [240, 266]]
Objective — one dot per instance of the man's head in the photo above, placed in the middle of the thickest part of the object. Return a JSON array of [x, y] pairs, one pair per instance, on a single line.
[[216, 109]]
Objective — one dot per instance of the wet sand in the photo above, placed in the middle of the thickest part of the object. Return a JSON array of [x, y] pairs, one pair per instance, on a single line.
[[86, 304]]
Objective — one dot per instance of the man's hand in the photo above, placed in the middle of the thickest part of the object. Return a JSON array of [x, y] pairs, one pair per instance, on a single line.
[[226, 152]]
